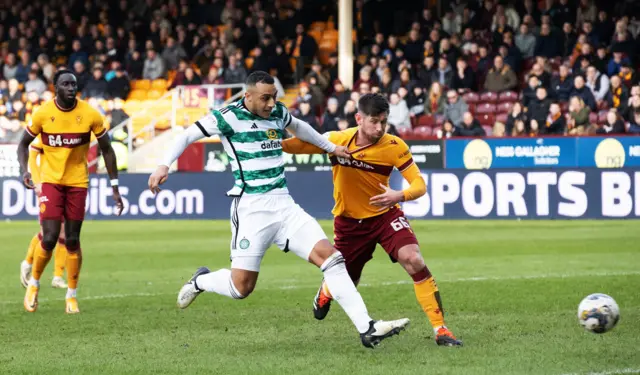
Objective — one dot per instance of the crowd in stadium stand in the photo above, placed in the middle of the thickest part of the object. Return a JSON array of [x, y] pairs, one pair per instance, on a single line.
[[501, 68]]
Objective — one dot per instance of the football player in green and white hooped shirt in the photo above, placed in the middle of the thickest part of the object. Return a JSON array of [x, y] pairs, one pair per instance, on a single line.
[[262, 211]]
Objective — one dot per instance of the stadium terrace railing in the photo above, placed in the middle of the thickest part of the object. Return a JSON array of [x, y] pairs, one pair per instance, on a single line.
[[181, 97]]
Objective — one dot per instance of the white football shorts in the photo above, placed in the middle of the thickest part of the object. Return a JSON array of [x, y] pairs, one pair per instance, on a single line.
[[258, 221]]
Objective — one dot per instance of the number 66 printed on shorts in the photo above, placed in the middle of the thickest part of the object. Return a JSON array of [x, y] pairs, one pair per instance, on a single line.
[[400, 223]]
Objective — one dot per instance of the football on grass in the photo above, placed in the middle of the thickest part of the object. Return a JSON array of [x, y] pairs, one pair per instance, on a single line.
[[598, 313]]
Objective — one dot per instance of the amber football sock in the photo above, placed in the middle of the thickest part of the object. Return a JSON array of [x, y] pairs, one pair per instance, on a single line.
[[60, 259], [33, 245], [429, 297], [74, 263], [40, 261]]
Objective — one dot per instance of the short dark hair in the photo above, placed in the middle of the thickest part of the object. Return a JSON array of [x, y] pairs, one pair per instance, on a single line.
[[373, 105], [259, 76], [59, 73]]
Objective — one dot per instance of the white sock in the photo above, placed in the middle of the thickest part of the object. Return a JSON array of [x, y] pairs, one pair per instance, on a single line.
[[219, 282], [34, 282], [344, 291], [71, 293]]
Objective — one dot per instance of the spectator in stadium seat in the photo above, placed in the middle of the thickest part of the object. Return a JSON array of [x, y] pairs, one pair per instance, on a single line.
[[119, 86], [580, 90], [349, 113], [448, 51], [634, 124], [364, 76], [598, 83], [447, 130], [452, 22], [510, 54], [398, 112], [516, 114], [443, 75], [425, 73], [305, 113], [499, 130], [321, 75], [628, 76], [529, 92], [587, 11], [35, 84], [525, 41], [304, 49], [23, 67], [555, 122], [618, 95], [404, 80], [578, 116], [455, 108], [413, 47], [614, 124], [562, 84], [601, 59], [78, 54], [153, 66], [539, 108], [616, 62], [470, 127], [172, 53], [544, 77], [569, 39], [415, 100], [13, 91], [547, 44], [484, 61], [435, 102], [519, 129], [500, 78], [191, 78], [331, 116]]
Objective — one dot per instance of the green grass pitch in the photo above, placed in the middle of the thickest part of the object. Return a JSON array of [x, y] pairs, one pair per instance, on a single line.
[[510, 291]]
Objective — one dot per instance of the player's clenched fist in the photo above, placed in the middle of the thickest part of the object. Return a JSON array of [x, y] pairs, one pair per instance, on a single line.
[[158, 178]]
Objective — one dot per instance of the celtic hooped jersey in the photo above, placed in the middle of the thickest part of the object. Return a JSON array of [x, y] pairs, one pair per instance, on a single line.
[[253, 145]]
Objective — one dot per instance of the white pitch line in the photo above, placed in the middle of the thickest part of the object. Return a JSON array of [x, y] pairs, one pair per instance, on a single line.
[[384, 283], [610, 372]]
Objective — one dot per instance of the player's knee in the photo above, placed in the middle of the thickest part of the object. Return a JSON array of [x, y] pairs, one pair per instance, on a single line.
[[49, 242], [321, 252], [410, 258], [73, 243]]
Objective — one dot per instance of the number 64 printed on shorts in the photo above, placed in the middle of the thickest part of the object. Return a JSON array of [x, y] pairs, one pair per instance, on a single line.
[[400, 223]]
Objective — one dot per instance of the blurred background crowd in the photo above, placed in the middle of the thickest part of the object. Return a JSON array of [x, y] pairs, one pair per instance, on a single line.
[[449, 68]]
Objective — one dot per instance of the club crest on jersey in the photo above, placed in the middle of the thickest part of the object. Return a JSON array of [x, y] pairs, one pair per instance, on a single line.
[[52, 119], [244, 244], [272, 134], [43, 208], [78, 119]]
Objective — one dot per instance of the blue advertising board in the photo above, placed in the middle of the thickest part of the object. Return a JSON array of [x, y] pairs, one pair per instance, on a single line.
[[535, 193], [562, 152]]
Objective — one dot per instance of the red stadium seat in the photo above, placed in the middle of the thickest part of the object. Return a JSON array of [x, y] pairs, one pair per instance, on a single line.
[[488, 130], [472, 108], [486, 119], [426, 120], [502, 117], [593, 118], [471, 98], [422, 132], [504, 107], [485, 108], [489, 97], [508, 96], [404, 132]]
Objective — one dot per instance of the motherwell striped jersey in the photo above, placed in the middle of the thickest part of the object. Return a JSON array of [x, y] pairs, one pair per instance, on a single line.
[[65, 136]]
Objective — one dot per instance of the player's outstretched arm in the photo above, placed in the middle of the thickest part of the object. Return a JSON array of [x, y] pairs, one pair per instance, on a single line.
[[23, 158], [298, 146], [417, 186], [307, 133], [110, 161], [203, 128]]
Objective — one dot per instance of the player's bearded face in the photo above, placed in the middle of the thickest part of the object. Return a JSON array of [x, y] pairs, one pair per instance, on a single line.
[[261, 99], [373, 127]]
